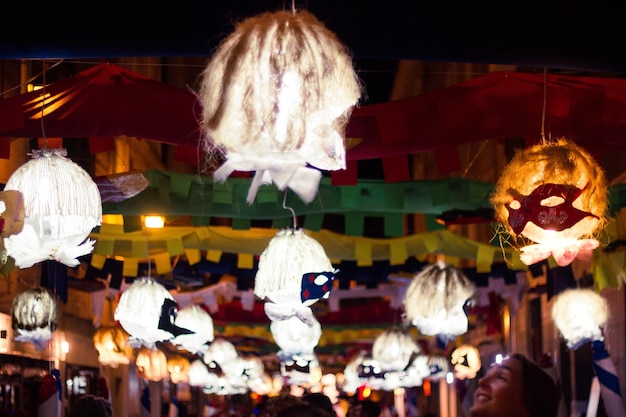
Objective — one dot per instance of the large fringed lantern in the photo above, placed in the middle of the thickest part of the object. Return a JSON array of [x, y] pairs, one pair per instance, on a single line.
[[394, 349], [435, 299], [465, 361], [112, 345], [277, 96], [62, 205], [147, 311], [580, 315], [555, 195], [200, 323], [34, 316]]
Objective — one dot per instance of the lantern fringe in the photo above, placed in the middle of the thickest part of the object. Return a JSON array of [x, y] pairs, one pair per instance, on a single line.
[[289, 255]]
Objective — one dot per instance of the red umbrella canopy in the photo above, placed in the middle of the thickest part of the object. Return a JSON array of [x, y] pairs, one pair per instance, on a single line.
[[104, 100], [590, 111]]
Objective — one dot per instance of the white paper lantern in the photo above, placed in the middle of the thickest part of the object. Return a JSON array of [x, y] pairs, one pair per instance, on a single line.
[[289, 256], [295, 337], [199, 375], [151, 364], [393, 349], [435, 299], [196, 319], [580, 314], [277, 95], [34, 316], [221, 352], [62, 205], [147, 311]]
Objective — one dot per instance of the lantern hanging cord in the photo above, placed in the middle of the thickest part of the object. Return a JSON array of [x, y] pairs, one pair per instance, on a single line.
[[293, 213], [43, 105], [543, 111]]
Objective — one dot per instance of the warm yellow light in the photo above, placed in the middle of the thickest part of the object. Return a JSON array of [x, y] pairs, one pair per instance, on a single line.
[[116, 219], [65, 347], [33, 87], [154, 222]]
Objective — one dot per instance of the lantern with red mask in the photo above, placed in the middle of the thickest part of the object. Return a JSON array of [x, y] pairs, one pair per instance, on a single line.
[[554, 195]]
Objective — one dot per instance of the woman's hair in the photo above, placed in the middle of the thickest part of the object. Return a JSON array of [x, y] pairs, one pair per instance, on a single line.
[[91, 406], [539, 392], [302, 410]]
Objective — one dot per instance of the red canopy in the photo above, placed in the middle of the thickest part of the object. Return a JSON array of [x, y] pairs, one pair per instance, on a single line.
[[102, 101], [590, 111]]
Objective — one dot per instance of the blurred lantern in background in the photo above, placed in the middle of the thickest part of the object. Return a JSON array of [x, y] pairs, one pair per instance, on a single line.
[[34, 316], [555, 195], [465, 361], [178, 368], [112, 345], [435, 299], [151, 364], [580, 314], [195, 319]]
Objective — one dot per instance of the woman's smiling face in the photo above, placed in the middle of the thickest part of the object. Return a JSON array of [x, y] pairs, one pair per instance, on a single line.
[[500, 392]]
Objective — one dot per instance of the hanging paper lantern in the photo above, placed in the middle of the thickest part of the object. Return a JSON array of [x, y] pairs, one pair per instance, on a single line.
[[61, 207], [294, 269], [112, 345], [439, 366], [147, 311], [435, 299], [277, 96], [415, 373], [200, 376], [580, 314], [178, 368], [200, 323], [296, 338], [352, 378], [151, 364], [393, 349], [553, 194], [220, 352], [34, 316], [466, 362]]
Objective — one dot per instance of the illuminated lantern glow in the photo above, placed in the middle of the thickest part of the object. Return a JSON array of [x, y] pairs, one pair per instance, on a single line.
[[277, 95], [197, 320], [151, 364], [466, 362], [62, 205], [555, 195], [34, 316], [393, 349], [112, 345], [435, 298], [147, 311], [580, 315], [178, 369]]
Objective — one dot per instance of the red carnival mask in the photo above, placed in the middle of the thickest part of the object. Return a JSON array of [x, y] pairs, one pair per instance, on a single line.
[[558, 218]]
